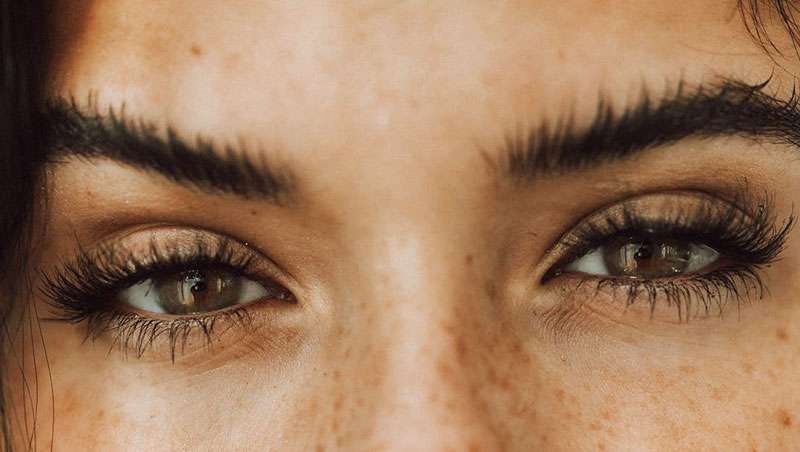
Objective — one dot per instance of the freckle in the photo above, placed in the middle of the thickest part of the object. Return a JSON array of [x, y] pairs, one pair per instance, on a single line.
[[461, 349], [748, 368], [491, 290], [196, 50], [782, 334], [772, 376], [688, 369], [444, 370], [785, 418], [468, 260]]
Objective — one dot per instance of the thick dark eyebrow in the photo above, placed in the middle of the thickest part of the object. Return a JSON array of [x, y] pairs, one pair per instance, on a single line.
[[72, 131], [727, 108]]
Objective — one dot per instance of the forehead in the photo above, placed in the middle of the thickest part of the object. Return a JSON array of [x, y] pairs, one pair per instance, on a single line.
[[384, 75]]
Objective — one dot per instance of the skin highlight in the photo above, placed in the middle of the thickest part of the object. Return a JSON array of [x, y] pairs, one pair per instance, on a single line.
[[420, 322]]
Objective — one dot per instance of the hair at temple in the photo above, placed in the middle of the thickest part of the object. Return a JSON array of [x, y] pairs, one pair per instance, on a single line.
[[760, 15]]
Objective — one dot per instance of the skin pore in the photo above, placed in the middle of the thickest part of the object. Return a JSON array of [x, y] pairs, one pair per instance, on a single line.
[[421, 318]]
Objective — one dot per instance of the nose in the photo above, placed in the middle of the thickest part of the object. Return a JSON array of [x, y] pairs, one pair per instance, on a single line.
[[431, 400], [431, 397]]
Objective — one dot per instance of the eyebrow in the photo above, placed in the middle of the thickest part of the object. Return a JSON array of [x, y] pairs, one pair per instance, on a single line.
[[725, 109], [72, 131]]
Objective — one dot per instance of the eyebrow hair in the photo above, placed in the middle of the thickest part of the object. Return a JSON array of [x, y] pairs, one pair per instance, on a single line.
[[724, 109], [72, 131]]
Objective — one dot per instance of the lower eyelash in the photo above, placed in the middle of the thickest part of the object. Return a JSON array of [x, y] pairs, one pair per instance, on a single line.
[[84, 291], [691, 297], [131, 332], [711, 291], [746, 233]]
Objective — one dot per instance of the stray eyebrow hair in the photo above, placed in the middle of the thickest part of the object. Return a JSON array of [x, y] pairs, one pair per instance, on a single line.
[[728, 108], [71, 131]]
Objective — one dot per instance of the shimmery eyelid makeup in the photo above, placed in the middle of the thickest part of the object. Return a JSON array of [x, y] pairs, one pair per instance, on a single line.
[[86, 289], [745, 232]]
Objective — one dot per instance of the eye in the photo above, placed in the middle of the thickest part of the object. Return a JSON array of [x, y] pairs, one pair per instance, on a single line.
[[197, 291], [644, 258]]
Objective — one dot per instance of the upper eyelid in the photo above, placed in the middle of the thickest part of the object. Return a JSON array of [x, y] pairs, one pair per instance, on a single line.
[[766, 232], [116, 263]]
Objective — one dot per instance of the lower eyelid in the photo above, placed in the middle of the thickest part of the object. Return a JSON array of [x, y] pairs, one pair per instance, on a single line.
[[672, 301], [77, 292]]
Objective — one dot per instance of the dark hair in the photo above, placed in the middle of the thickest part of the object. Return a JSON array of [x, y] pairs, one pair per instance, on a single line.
[[22, 35], [22, 154], [759, 16]]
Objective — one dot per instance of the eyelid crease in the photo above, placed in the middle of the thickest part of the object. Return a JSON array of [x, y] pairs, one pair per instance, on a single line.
[[85, 288], [745, 228]]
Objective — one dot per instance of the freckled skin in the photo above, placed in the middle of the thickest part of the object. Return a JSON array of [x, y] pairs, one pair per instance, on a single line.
[[412, 334]]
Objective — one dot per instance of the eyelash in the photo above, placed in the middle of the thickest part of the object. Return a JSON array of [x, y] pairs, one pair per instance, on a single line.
[[748, 238], [84, 290]]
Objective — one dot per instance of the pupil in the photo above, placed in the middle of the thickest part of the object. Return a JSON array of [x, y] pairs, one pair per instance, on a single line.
[[198, 281], [643, 253]]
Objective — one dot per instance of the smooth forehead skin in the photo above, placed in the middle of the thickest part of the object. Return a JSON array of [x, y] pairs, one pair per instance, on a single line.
[[390, 113], [325, 78]]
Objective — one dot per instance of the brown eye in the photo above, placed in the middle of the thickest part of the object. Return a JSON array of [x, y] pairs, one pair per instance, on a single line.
[[198, 291], [644, 258]]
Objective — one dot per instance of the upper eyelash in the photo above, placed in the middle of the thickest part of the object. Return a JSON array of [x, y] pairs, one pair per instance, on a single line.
[[111, 268], [84, 290], [746, 233], [742, 230]]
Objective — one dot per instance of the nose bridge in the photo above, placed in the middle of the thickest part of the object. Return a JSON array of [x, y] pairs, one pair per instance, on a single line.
[[429, 398]]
